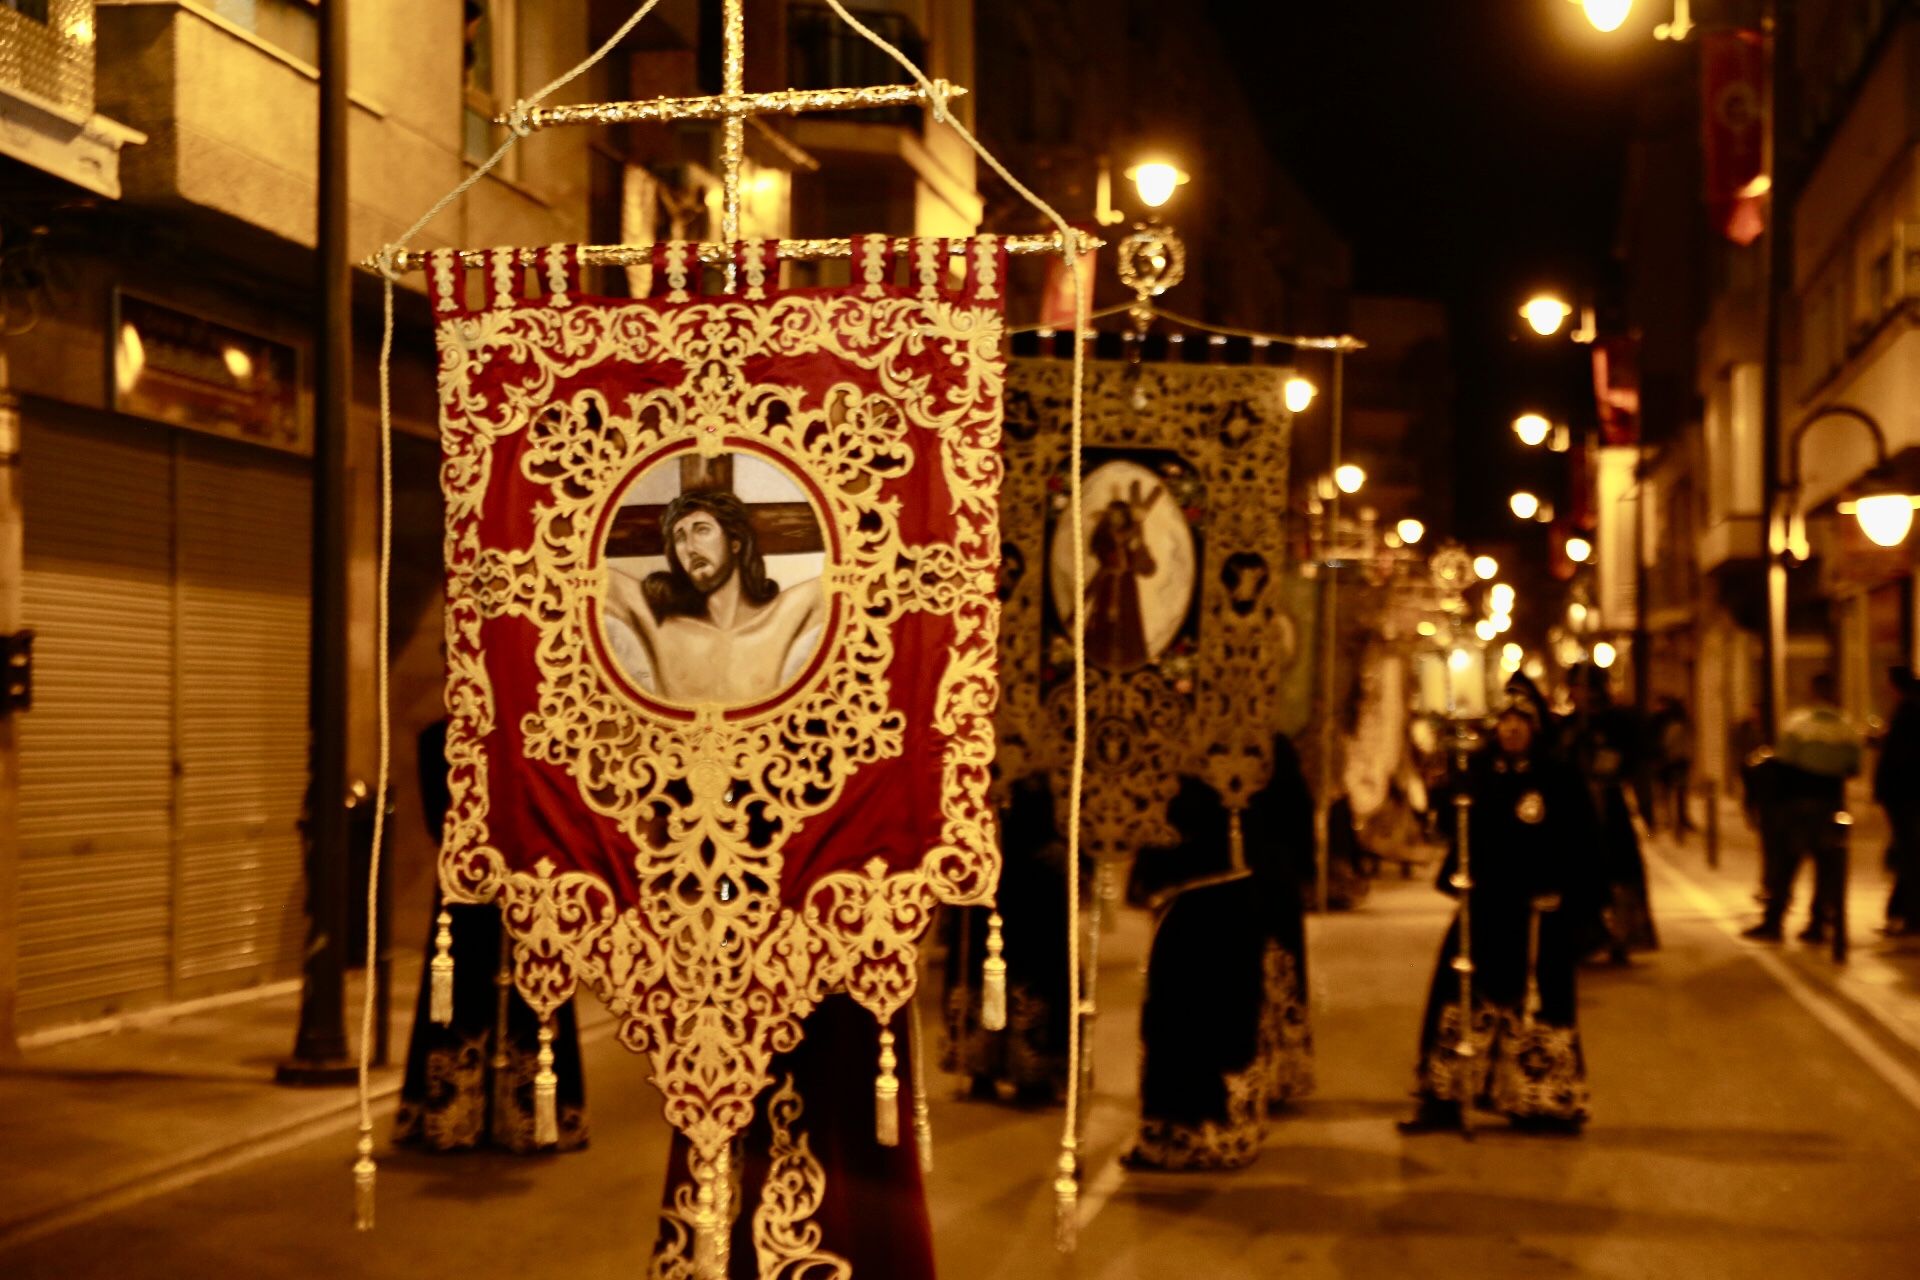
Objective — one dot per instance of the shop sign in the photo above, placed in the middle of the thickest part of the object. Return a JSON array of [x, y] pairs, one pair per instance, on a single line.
[[187, 371]]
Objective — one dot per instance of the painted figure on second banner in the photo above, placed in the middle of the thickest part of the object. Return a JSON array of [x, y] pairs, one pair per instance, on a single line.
[[1529, 831], [470, 1084], [815, 1194], [1116, 632], [1030, 1055], [1225, 1037], [1603, 742]]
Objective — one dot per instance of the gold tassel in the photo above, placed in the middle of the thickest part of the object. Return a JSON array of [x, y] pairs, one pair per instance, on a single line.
[[440, 1001], [886, 1096], [363, 1170], [712, 1214], [546, 1085], [993, 980], [1066, 1202]]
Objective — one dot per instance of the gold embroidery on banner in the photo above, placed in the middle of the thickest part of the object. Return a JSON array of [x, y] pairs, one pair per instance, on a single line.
[[502, 263], [786, 1242], [709, 974], [986, 273], [873, 259], [756, 269], [1210, 712], [929, 257]]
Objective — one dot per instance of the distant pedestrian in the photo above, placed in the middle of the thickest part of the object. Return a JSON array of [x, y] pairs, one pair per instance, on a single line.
[[1530, 827], [1805, 795], [1896, 788], [1672, 749]]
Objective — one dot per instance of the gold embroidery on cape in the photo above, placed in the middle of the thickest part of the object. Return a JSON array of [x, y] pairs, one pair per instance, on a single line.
[[786, 1242], [709, 974], [1211, 714]]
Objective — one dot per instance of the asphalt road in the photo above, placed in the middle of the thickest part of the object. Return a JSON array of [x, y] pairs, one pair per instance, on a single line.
[[1747, 1123]]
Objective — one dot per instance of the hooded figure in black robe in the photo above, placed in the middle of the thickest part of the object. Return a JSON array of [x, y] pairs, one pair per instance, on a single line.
[[1604, 743], [1529, 830], [470, 1083], [1030, 1055], [1224, 1030]]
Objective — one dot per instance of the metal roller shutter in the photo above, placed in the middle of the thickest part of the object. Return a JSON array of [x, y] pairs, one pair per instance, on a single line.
[[163, 764], [96, 751], [242, 599]]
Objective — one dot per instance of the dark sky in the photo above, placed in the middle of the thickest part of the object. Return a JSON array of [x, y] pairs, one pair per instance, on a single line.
[[1469, 151]]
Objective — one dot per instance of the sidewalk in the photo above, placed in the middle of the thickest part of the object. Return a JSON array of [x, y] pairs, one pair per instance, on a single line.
[[102, 1119], [1880, 982]]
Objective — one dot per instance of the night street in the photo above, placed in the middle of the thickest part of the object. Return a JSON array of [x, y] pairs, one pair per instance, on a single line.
[[1742, 1127]]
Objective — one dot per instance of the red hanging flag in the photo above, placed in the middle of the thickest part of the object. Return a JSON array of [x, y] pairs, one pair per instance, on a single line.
[[1733, 77]]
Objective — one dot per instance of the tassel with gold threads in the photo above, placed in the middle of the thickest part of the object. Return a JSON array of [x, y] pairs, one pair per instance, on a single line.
[[440, 1000], [363, 1173], [546, 1085], [886, 1096], [922, 1117], [993, 979], [1066, 1200]]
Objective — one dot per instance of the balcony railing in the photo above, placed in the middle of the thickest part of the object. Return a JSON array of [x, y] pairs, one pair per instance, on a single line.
[[824, 53]]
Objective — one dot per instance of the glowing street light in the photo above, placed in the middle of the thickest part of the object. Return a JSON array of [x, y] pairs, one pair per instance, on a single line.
[[1605, 655], [1349, 478], [1500, 598], [1511, 655], [1579, 550], [1156, 181], [1524, 505], [1532, 429], [1886, 518], [1410, 531], [1426, 628], [1299, 393], [1485, 630], [1460, 659], [1545, 314], [1485, 567], [1577, 615], [1607, 15], [1502, 623]]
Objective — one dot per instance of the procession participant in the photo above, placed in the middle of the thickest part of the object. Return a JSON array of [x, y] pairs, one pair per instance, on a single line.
[[1030, 1054], [1602, 742], [1894, 777], [1529, 826], [470, 1083], [1819, 750], [1224, 1030]]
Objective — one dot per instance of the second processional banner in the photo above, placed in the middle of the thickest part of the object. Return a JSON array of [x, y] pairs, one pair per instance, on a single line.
[[721, 635]]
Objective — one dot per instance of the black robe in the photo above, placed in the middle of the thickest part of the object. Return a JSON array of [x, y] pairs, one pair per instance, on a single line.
[[818, 1197], [1604, 745], [1030, 1055], [465, 1085], [1529, 838], [1224, 1031]]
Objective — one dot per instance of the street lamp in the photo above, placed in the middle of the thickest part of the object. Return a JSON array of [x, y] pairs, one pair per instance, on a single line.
[[1299, 393], [1485, 567], [1607, 15], [1485, 630], [1500, 598], [1525, 505], [1410, 531], [1156, 181], [1885, 518], [1348, 478], [1532, 429], [1545, 314], [1605, 655], [1579, 550]]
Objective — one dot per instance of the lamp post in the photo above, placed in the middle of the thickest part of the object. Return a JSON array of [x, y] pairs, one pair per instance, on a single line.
[[1884, 512]]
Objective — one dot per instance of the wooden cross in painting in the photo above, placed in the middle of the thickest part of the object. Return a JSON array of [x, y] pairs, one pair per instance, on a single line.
[[783, 528]]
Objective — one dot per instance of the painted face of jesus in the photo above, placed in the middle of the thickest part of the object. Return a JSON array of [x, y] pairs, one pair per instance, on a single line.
[[703, 550]]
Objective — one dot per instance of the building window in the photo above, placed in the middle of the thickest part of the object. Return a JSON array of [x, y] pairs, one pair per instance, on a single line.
[[292, 26], [491, 76]]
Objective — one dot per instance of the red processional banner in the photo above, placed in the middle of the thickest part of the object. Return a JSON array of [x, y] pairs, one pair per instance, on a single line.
[[1733, 115], [721, 635]]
